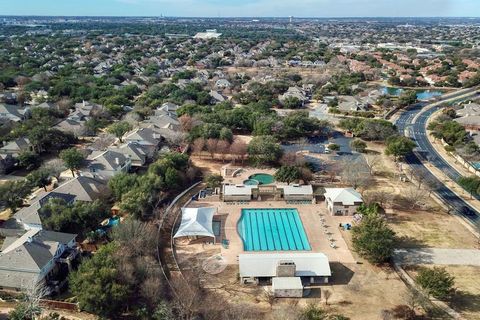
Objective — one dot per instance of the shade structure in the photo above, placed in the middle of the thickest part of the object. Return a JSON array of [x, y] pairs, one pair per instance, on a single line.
[[196, 222]]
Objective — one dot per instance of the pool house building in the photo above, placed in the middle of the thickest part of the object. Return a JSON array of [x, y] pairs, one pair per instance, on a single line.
[[311, 268], [243, 192]]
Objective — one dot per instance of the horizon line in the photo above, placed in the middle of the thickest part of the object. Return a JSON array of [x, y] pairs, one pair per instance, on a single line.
[[233, 17]]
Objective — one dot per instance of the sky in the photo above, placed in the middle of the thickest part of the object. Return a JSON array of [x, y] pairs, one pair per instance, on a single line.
[[244, 8]]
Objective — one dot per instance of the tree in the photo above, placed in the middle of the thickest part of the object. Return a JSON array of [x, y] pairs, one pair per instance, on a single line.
[[213, 180], [415, 196], [313, 312], [334, 147], [437, 282], [326, 295], [12, 193], [355, 172], [118, 129], [288, 174], [292, 103], [223, 147], [407, 98], [471, 184], [359, 145], [97, 284], [373, 239], [372, 161], [28, 160], [121, 183], [263, 150], [198, 146], [212, 147], [72, 158], [238, 149], [78, 217], [40, 178], [226, 134], [399, 146]]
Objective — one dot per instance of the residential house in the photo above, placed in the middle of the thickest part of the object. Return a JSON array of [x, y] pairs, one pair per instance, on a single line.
[[35, 258], [217, 97], [16, 147], [350, 103], [469, 117], [137, 153], [105, 164], [148, 137], [295, 92], [13, 113], [223, 84], [7, 163], [169, 107], [342, 201], [80, 188]]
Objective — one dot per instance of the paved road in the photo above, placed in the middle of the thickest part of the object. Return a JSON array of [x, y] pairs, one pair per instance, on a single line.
[[412, 123], [465, 257]]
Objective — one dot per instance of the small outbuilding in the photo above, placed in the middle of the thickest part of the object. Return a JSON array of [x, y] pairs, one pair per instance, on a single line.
[[196, 222], [342, 201], [287, 287]]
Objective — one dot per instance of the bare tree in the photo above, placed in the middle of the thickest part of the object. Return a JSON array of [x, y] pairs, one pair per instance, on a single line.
[[103, 141], [212, 147], [239, 149], [415, 196], [198, 146], [186, 122], [269, 298], [356, 173], [326, 295], [55, 167], [223, 148], [175, 138], [292, 159], [432, 184], [372, 161], [381, 197]]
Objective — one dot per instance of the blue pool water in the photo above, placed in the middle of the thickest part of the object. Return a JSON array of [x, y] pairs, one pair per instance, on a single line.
[[272, 230], [421, 94]]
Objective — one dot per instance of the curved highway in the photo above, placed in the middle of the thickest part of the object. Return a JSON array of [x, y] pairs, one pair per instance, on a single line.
[[412, 123]]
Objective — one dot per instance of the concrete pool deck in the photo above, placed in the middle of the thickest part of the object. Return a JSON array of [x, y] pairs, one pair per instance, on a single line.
[[311, 219]]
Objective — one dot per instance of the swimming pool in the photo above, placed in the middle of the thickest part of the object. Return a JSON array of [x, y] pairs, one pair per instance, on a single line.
[[251, 182], [262, 178], [272, 230]]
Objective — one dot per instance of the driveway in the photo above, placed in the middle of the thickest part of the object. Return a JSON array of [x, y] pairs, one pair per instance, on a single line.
[[464, 257]]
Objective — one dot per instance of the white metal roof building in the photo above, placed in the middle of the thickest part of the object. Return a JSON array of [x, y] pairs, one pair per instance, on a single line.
[[196, 222], [237, 192], [345, 196], [297, 192], [265, 265], [342, 201]]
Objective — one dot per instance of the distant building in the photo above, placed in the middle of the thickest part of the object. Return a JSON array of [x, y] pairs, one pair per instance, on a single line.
[[208, 34]]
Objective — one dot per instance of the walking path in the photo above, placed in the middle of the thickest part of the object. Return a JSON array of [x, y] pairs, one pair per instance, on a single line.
[[436, 256]]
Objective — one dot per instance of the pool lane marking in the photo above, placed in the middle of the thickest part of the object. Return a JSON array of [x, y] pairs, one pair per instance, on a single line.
[[288, 231], [294, 231], [301, 231], [275, 235], [282, 233]]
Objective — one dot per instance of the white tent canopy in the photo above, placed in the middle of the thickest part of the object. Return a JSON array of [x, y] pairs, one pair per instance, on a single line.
[[196, 222]]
